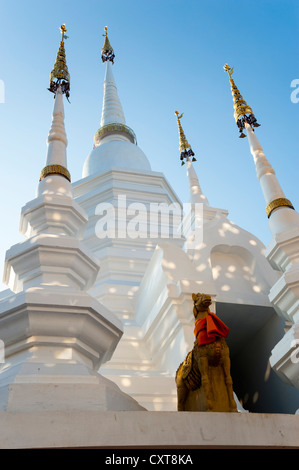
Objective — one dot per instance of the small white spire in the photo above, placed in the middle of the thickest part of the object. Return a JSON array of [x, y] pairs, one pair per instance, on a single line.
[[279, 210], [112, 111], [196, 195], [55, 177], [113, 122], [57, 140], [186, 153]]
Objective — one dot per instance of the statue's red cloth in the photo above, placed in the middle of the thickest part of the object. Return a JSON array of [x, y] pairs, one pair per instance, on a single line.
[[209, 328]]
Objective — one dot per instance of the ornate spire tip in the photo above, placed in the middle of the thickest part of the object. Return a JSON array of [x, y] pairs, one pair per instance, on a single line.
[[107, 50], [243, 113], [185, 148], [59, 76], [63, 30]]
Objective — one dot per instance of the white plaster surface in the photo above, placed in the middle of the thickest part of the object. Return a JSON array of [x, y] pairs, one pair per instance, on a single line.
[[147, 283], [133, 429], [112, 110], [115, 153]]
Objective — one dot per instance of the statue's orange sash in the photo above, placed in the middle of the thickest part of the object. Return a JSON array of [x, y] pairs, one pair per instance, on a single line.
[[209, 328]]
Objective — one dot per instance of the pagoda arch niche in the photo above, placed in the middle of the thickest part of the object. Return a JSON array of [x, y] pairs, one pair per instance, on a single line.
[[236, 274]]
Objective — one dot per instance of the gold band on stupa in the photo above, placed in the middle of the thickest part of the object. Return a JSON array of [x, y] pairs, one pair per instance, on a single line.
[[242, 112], [55, 170], [114, 127], [279, 202], [107, 49], [185, 148], [59, 75]]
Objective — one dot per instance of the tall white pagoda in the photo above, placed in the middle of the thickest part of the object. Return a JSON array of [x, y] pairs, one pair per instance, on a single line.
[[99, 312], [147, 278], [56, 335]]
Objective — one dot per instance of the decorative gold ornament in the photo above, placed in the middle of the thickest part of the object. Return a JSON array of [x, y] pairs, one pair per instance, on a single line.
[[107, 50], [55, 170], [59, 75], [280, 202], [185, 148], [63, 30], [243, 113], [115, 126]]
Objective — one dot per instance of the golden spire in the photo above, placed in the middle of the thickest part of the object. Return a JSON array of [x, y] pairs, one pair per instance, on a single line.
[[243, 113], [107, 50], [60, 76], [185, 148]]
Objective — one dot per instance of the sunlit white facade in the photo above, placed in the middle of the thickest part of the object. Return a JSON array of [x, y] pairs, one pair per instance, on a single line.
[[150, 265], [98, 312]]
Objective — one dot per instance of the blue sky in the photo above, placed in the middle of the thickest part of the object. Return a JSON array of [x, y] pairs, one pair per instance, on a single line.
[[169, 55]]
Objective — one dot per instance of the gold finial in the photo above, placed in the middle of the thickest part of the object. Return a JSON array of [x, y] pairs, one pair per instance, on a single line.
[[243, 113], [59, 75], [107, 50], [63, 30], [185, 148], [228, 70]]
